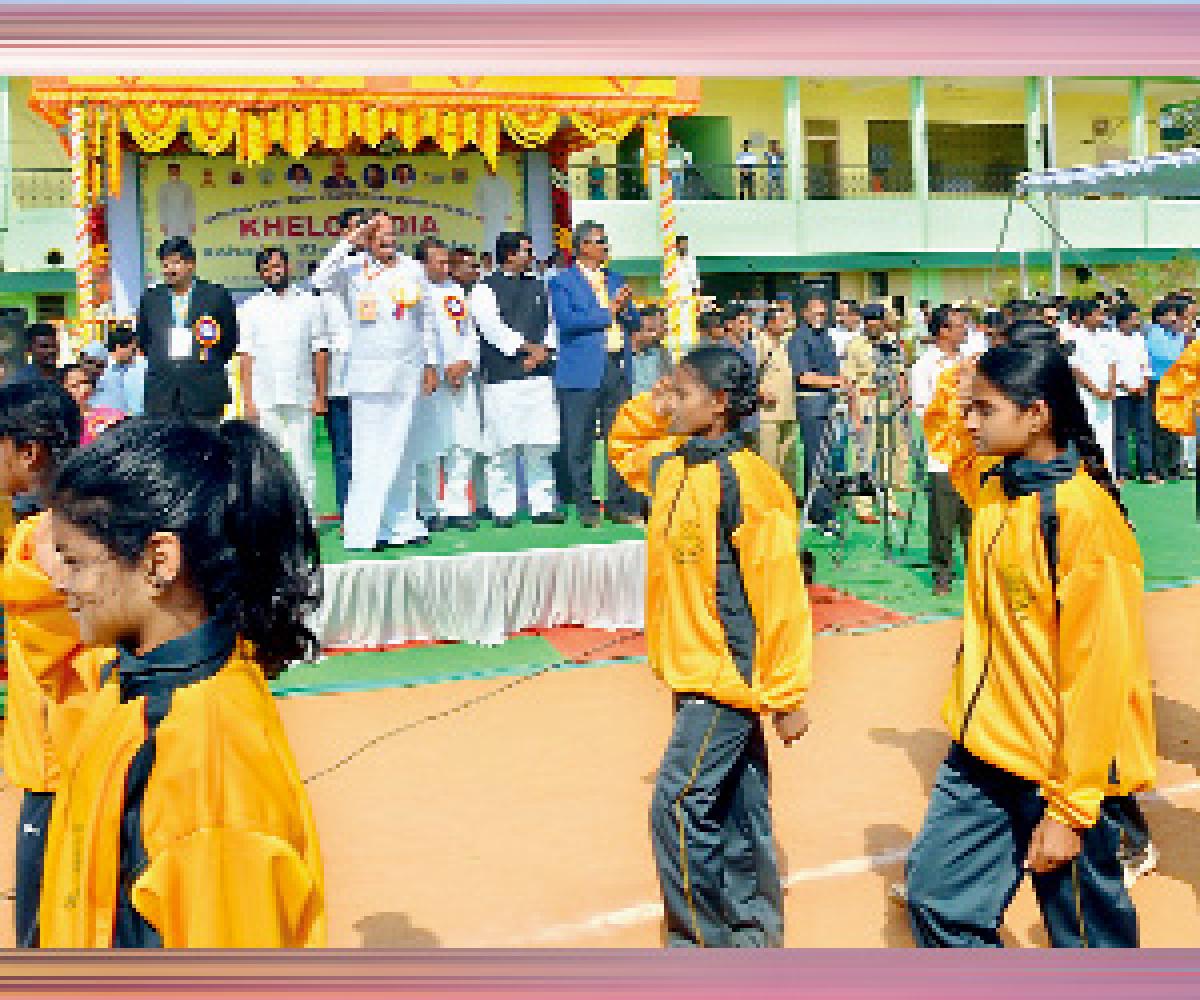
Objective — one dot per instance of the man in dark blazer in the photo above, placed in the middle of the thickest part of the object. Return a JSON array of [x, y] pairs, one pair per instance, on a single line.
[[187, 328], [595, 319]]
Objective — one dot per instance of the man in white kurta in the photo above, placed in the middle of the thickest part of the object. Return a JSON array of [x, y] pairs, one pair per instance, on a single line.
[[511, 309], [1094, 360], [284, 358], [392, 361], [454, 434]]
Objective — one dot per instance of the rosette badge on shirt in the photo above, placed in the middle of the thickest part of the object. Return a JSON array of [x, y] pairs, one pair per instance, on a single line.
[[207, 332], [404, 294], [456, 309]]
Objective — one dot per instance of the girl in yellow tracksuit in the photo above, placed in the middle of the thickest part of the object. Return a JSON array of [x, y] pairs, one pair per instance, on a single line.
[[1049, 707], [180, 818], [39, 428], [728, 629]]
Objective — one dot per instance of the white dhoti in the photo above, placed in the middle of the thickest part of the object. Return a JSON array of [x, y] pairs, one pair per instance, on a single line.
[[520, 418], [428, 441], [290, 426], [1100, 416], [381, 505], [460, 412]]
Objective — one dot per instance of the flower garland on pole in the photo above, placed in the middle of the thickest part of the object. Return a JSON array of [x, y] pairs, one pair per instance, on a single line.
[[84, 293]]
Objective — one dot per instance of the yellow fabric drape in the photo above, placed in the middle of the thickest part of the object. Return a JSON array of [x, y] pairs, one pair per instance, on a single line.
[[597, 129], [530, 130], [153, 128], [212, 129]]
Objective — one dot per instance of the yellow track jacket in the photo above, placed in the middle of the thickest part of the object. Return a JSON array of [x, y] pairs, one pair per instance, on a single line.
[[1178, 393], [1057, 696], [726, 610], [39, 634], [231, 852]]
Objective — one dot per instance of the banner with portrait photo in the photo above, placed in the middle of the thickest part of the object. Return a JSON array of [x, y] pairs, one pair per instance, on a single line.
[[229, 210]]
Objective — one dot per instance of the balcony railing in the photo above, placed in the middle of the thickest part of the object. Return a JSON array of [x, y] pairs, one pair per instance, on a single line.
[[729, 181]]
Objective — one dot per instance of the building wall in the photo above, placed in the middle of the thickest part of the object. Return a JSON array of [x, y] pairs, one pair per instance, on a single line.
[[34, 143]]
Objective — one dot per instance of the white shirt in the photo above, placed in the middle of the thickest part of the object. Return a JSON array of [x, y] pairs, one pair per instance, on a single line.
[[492, 328], [746, 159], [337, 335], [1093, 354], [176, 208], [841, 339], [281, 333], [335, 272], [689, 277], [923, 381], [458, 339], [1133, 362]]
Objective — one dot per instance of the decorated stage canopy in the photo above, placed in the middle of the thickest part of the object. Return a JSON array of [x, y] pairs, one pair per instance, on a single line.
[[251, 118], [1163, 174]]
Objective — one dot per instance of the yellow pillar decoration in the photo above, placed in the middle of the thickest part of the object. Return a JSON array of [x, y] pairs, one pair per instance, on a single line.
[[79, 205], [113, 152], [96, 153]]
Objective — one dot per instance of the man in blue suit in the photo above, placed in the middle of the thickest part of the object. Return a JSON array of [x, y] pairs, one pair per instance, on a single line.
[[595, 318]]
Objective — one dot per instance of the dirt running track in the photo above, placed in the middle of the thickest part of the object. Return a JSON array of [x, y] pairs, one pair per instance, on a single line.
[[522, 821]]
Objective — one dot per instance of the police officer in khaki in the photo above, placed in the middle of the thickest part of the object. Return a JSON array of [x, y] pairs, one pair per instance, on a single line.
[[777, 426], [870, 400]]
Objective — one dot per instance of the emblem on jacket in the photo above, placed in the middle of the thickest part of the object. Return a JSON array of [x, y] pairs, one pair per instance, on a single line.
[[686, 542], [1016, 588]]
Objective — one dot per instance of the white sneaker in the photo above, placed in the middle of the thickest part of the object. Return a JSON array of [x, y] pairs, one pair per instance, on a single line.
[[1139, 865]]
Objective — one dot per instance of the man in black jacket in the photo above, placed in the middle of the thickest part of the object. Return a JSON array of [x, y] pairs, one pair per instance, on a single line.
[[187, 328]]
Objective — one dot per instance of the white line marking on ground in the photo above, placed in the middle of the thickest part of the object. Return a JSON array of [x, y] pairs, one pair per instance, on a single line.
[[644, 913]]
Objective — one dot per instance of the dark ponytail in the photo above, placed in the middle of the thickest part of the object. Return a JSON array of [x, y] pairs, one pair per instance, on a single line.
[[723, 369], [248, 541], [1027, 371]]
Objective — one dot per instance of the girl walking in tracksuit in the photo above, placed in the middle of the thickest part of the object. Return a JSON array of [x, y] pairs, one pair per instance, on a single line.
[[180, 819], [1049, 706], [728, 629]]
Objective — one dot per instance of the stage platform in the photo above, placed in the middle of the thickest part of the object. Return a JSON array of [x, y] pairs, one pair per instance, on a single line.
[[481, 586]]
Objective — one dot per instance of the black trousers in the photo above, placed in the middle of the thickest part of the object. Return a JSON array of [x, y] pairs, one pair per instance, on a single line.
[[965, 866], [33, 823], [582, 412], [1132, 413], [1167, 447], [947, 513], [814, 416]]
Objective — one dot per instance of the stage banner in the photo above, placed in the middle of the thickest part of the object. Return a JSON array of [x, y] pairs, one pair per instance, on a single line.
[[230, 211]]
